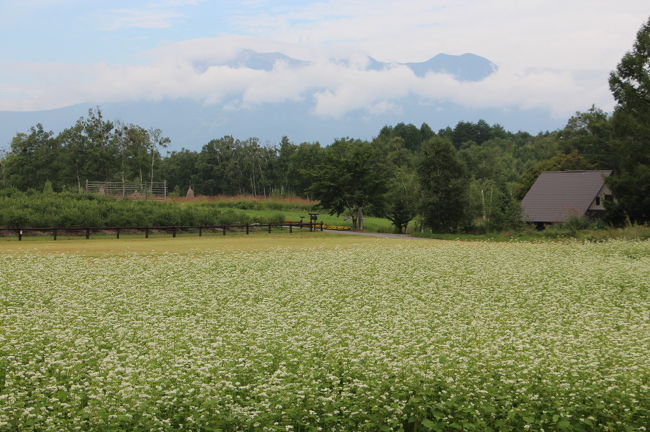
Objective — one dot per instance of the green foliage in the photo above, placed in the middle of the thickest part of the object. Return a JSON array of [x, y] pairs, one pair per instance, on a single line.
[[631, 187], [33, 159], [630, 85], [570, 227], [263, 205], [35, 209], [630, 82], [409, 135], [468, 133], [590, 135], [402, 198], [501, 164], [492, 206], [351, 177], [444, 185]]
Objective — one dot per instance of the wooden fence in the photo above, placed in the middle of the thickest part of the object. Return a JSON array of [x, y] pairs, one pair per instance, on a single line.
[[173, 230]]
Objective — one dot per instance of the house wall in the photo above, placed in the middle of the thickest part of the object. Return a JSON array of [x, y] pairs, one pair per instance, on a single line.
[[598, 204]]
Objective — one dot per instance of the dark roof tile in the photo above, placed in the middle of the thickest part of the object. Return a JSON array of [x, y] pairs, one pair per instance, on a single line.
[[557, 195]]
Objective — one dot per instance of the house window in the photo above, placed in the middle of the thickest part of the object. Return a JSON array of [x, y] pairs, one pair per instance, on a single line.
[[598, 200]]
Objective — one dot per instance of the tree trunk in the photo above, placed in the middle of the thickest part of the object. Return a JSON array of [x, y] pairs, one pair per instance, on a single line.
[[359, 219]]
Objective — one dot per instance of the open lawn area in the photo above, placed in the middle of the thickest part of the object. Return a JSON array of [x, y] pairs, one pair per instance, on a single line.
[[314, 331]]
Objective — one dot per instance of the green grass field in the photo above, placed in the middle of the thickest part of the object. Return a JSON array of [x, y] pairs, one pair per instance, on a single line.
[[371, 224], [313, 331]]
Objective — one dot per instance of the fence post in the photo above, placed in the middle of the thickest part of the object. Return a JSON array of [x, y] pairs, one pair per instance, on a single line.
[[20, 235], [146, 232], [321, 226], [200, 231], [269, 228], [174, 232], [224, 230], [54, 234], [117, 233], [87, 233], [290, 228], [246, 229]]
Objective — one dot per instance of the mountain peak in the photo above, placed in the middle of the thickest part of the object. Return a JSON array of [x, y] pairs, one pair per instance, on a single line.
[[464, 67]]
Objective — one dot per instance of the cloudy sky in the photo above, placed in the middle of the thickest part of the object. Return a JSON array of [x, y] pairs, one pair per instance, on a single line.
[[551, 54]]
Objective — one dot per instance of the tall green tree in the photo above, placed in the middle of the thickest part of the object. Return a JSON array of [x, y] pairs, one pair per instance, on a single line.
[[444, 184], [90, 149], [590, 134], [34, 158], [350, 178], [179, 169], [402, 198], [630, 85]]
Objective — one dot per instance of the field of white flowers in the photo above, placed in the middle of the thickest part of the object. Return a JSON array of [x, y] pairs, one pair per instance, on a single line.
[[388, 336]]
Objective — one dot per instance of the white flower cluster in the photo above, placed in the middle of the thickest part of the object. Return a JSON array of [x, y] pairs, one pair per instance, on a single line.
[[388, 336]]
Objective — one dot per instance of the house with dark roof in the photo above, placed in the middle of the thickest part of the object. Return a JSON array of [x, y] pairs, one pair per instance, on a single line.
[[557, 195]]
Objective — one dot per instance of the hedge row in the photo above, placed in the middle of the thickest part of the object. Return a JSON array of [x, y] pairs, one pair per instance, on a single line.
[[35, 209]]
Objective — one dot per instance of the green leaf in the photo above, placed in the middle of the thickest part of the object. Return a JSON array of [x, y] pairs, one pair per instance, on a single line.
[[428, 424]]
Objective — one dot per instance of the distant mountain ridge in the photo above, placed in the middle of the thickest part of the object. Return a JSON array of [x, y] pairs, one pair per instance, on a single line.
[[464, 67], [191, 124]]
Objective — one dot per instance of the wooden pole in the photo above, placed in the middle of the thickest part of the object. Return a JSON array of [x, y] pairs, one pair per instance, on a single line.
[[117, 233]]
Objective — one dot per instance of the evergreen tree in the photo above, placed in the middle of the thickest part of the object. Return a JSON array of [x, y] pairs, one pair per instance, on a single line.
[[444, 184]]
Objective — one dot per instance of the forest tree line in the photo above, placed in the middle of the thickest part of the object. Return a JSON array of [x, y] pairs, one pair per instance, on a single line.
[[471, 175]]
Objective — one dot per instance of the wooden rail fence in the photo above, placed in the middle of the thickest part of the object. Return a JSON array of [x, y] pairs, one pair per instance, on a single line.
[[87, 231]]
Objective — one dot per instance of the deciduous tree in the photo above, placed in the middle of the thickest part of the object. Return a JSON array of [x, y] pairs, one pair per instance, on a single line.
[[351, 177], [630, 85]]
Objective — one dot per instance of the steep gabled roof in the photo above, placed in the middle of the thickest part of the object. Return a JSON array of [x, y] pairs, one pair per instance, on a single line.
[[557, 195]]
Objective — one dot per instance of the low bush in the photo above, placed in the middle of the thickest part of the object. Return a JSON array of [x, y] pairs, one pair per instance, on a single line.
[[37, 209]]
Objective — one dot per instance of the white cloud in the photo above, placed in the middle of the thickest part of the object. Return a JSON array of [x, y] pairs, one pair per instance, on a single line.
[[580, 34], [334, 88], [552, 54]]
